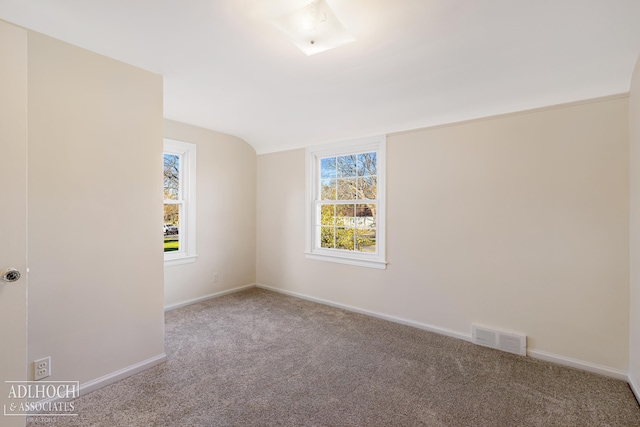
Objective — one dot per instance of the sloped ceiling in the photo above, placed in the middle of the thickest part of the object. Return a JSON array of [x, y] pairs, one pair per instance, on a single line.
[[415, 63]]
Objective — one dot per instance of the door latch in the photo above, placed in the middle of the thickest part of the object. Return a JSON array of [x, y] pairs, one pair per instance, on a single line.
[[10, 275]]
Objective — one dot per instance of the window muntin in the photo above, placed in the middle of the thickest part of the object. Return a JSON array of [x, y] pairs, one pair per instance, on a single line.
[[343, 223], [346, 202]]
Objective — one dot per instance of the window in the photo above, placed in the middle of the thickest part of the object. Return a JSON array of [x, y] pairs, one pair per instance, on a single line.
[[345, 202], [179, 202]]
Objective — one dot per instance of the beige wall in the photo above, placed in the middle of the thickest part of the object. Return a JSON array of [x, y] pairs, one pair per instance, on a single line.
[[226, 216], [95, 208], [634, 136], [518, 222]]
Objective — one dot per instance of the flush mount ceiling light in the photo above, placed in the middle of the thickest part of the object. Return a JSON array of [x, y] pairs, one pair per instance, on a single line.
[[314, 28]]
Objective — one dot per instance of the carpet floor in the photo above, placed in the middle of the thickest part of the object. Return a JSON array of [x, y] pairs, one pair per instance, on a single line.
[[259, 358]]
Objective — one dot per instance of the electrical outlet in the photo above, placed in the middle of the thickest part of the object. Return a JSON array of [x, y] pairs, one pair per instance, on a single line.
[[42, 368], [215, 278]]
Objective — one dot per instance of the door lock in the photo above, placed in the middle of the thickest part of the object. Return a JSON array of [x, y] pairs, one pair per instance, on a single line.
[[10, 275]]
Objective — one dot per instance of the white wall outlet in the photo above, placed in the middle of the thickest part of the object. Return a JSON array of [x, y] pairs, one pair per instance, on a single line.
[[215, 278], [42, 368]]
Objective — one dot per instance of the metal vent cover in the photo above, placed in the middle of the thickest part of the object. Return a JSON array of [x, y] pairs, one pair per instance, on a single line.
[[499, 340]]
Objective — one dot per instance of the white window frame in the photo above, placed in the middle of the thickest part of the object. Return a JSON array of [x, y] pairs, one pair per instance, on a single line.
[[187, 229], [344, 148]]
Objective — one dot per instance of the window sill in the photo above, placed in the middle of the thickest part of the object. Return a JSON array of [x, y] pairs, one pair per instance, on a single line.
[[369, 263], [183, 259]]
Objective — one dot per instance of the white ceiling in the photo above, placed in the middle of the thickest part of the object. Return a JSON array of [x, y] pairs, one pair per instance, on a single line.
[[415, 63]]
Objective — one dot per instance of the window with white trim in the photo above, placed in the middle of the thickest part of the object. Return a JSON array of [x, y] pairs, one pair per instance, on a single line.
[[346, 203], [179, 202]]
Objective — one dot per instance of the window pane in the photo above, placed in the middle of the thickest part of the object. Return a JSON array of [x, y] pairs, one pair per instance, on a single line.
[[328, 168], [346, 189], [172, 214], [327, 215], [346, 166], [344, 238], [366, 240], [367, 187], [366, 216], [327, 236], [365, 231], [367, 164], [171, 176], [171, 227], [328, 189], [345, 215]]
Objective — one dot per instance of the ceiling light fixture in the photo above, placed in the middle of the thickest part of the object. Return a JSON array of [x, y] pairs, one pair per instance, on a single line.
[[314, 28]]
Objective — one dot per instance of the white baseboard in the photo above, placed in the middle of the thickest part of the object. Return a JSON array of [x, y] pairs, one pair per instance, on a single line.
[[634, 388], [537, 354], [104, 381], [209, 296], [121, 374], [402, 321], [578, 364]]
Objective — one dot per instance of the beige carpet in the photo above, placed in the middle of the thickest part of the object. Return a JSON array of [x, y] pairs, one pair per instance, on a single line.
[[258, 358]]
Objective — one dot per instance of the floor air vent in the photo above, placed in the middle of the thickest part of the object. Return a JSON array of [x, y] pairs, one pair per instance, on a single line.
[[505, 341]]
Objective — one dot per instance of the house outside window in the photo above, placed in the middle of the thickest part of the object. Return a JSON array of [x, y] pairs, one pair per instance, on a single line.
[[346, 202]]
